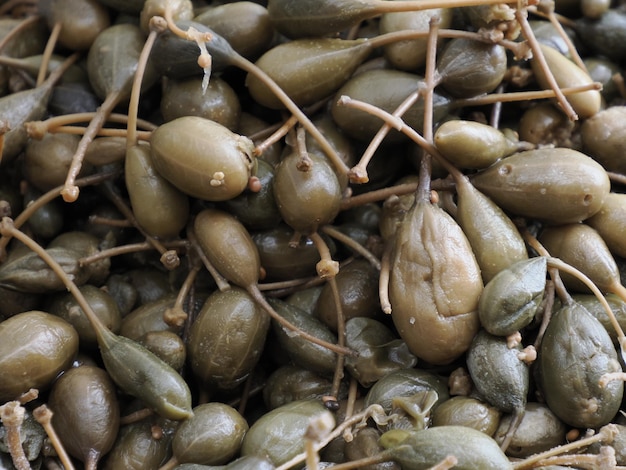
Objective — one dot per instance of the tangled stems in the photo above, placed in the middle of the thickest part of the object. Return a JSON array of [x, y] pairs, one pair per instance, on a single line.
[[46, 198]]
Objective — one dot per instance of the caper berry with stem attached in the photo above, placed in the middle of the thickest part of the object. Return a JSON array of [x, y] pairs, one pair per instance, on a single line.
[[202, 158], [575, 352], [85, 413], [224, 357]]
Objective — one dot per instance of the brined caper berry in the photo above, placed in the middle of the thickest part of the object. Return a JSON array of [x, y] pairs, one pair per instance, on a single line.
[[202, 158]]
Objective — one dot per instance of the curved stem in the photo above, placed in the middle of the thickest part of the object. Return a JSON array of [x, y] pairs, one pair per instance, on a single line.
[[562, 266], [254, 291], [605, 435], [7, 228], [341, 338], [70, 190], [169, 258], [383, 279], [47, 53], [37, 129], [538, 55], [522, 95], [133, 105], [373, 411], [352, 244], [15, 31], [402, 6], [43, 415], [251, 68], [131, 248], [222, 283], [45, 199], [383, 193]]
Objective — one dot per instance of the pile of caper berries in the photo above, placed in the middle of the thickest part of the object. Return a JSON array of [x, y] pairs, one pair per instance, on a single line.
[[376, 234]]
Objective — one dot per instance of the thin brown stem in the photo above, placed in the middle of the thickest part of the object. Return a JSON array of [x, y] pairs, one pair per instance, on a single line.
[[384, 193], [176, 315], [358, 173], [301, 282], [258, 297], [43, 415], [136, 416], [616, 177], [375, 412], [121, 223], [70, 191], [383, 279], [222, 283], [47, 53], [37, 129], [251, 68], [401, 6], [169, 258], [547, 314], [352, 244], [341, 339], [605, 435], [519, 49], [17, 30], [538, 56], [327, 267], [46, 198], [135, 92], [522, 96], [278, 134], [130, 248]]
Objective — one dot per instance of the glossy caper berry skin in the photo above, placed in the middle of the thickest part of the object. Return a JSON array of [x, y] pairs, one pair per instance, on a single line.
[[36, 346], [202, 158]]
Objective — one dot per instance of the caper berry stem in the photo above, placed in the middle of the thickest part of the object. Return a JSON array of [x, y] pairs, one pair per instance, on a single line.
[[278, 134], [45, 198], [519, 49], [358, 173], [130, 248], [258, 297], [222, 283], [176, 315], [43, 415], [604, 460], [341, 340], [70, 190], [522, 95], [547, 313], [12, 417], [102, 132], [37, 129], [534, 45], [562, 266], [402, 6], [616, 177], [136, 416], [374, 411], [605, 435], [47, 53], [383, 279], [135, 91], [398, 190], [7, 227], [353, 245], [15, 31], [169, 258]]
